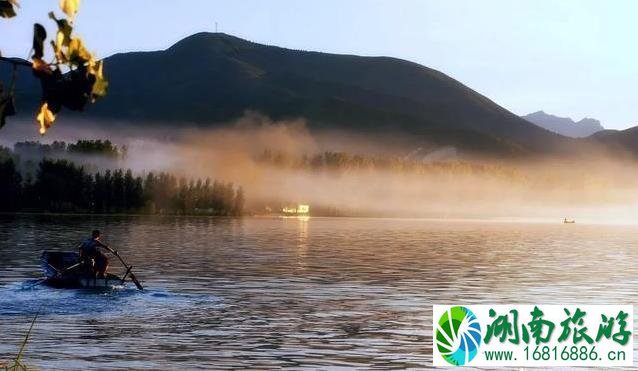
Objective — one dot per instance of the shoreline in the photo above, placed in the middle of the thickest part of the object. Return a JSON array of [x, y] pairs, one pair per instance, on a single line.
[[486, 219], [40, 213]]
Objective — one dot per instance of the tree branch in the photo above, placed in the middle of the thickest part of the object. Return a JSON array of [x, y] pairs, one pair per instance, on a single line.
[[17, 62]]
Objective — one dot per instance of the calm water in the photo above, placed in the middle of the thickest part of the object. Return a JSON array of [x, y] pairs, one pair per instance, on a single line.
[[317, 293]]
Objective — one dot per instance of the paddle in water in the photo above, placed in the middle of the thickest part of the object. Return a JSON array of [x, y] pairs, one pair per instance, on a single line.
[[128, 271]]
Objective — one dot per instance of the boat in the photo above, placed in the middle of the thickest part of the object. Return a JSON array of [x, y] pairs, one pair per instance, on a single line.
[[568, 221], [63, 270]]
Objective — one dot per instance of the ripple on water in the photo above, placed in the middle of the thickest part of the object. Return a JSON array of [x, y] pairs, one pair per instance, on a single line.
[[28, 298], [322, 293]]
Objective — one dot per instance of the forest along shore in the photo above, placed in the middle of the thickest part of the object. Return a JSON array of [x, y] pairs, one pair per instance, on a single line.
[[35, 178]]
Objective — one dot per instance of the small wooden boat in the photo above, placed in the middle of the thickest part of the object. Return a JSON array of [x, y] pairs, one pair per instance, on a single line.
[[63, 270], [568, 221]]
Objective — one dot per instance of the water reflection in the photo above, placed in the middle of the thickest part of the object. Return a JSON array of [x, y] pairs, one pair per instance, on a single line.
[[299, 292], [302, 242]]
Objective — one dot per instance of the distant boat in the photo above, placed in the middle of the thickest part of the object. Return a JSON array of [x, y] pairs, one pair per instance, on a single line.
[[568, 221]]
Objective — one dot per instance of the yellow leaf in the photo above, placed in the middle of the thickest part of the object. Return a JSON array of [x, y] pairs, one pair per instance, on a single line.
[[70, 7], [101, 84], [63, 35], [41, 66], [61, 40], [57, 47], [45, 118], [99, 89], [77, 52]]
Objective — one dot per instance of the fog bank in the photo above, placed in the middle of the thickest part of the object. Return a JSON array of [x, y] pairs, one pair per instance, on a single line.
[[410, 182]]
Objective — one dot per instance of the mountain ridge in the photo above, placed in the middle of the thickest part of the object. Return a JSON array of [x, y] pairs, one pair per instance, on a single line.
[[209, 79], [565, 125]]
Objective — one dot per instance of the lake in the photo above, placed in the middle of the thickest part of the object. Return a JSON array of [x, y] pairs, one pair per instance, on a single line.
[[296, 292]]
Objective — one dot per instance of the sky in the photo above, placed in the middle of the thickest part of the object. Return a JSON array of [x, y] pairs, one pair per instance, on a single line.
[[572, 58]]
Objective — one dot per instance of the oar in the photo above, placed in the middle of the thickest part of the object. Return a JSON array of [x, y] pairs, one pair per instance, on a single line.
[[128, 270], [58, 273]]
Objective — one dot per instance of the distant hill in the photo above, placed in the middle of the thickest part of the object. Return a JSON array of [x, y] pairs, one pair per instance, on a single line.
[[604, 134], [565, 125], [208, 79], [623, 140]]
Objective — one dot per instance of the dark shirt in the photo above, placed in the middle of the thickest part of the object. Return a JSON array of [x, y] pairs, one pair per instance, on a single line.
[[91, 248]]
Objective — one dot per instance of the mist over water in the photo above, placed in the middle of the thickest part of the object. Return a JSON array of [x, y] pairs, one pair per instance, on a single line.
[[593, 186]]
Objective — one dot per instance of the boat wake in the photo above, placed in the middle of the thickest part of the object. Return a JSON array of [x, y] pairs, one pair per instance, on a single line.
[[28, 298]]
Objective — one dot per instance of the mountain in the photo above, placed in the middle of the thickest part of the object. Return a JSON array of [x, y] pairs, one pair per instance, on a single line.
[[209, 79], [565, 125], [620, 140]]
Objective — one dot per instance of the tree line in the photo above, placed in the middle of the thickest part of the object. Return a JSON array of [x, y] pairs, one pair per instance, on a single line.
[[345, 162], [60, 185], [96, 147]]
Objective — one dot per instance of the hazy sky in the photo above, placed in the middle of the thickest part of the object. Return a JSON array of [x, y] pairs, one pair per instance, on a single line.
[[570, 58]]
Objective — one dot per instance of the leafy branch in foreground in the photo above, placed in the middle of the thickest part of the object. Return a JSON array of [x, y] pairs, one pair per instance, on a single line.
[[72, 79], [17, 364], [7, 8]]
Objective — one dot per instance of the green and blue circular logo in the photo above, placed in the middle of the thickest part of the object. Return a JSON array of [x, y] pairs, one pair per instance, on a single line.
[[458, 336]]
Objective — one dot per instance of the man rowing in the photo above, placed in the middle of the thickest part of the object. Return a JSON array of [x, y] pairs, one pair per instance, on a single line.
[[90, 251]]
